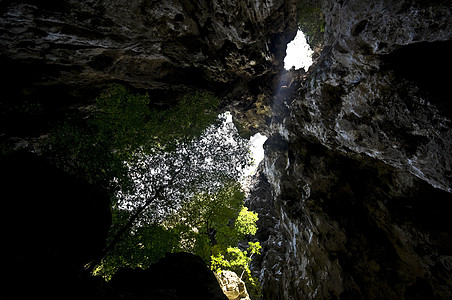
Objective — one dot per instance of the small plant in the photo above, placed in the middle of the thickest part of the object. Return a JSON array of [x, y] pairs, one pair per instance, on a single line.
[[238, 261]]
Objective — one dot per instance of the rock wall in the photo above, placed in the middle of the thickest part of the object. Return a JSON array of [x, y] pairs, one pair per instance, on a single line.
[[57, 56], [359, 161]]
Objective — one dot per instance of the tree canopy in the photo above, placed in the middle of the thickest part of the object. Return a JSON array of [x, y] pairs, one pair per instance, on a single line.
[[210, 225], [173, 176], [119, 127]]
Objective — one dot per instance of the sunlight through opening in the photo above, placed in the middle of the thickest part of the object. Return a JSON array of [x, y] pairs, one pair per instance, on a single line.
[[298, 53], [257, 153]]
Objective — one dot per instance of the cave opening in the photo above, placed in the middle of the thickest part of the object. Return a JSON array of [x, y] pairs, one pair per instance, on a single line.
[[298, 53], [256, 148], [257, 155], [200, 181]]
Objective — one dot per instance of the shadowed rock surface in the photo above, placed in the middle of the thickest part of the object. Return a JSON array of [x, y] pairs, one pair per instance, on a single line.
[[51, 225], [177, 276], [59, 56]]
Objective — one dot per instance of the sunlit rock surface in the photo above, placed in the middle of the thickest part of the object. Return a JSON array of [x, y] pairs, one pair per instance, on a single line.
[[359, 162], [232, 286]]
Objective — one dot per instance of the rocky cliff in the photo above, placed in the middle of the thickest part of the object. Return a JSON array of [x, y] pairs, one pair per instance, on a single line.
[[355, 190], [58, 56], [359, 161]]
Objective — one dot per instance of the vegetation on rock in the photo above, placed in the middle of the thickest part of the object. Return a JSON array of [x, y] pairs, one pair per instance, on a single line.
[[311, 21]]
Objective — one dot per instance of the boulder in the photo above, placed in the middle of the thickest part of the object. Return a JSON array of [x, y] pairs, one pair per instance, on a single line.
[[233, 287], [176, 276]]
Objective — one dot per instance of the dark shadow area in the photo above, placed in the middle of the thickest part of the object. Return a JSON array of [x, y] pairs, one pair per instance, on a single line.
[[428, 65], [384, 230], [51, 225], [29, 106], [177, 276]]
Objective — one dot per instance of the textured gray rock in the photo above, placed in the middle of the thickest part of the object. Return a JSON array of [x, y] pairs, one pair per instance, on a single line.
[[153, 45], [359, 163], [58, 56], [366, 95]]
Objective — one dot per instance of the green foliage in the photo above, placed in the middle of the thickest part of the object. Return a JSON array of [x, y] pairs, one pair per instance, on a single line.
[[120, 125], [145, 246], [210, 224], [246, 222], [96, 147], [121, 120], [173, 175], [311, 21], [209, 221], [185, 121], [164, 180], [206, 224], [238, 261]]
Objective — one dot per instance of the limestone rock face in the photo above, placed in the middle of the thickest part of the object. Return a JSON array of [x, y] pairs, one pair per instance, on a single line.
[[62, 54], [359, 160], [233, 287], [377, 90]]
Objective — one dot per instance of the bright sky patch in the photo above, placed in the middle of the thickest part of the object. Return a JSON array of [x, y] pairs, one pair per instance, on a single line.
[[298, 53]]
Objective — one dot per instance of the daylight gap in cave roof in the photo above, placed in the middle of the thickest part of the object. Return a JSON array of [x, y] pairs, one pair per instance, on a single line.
[[298, 53]]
